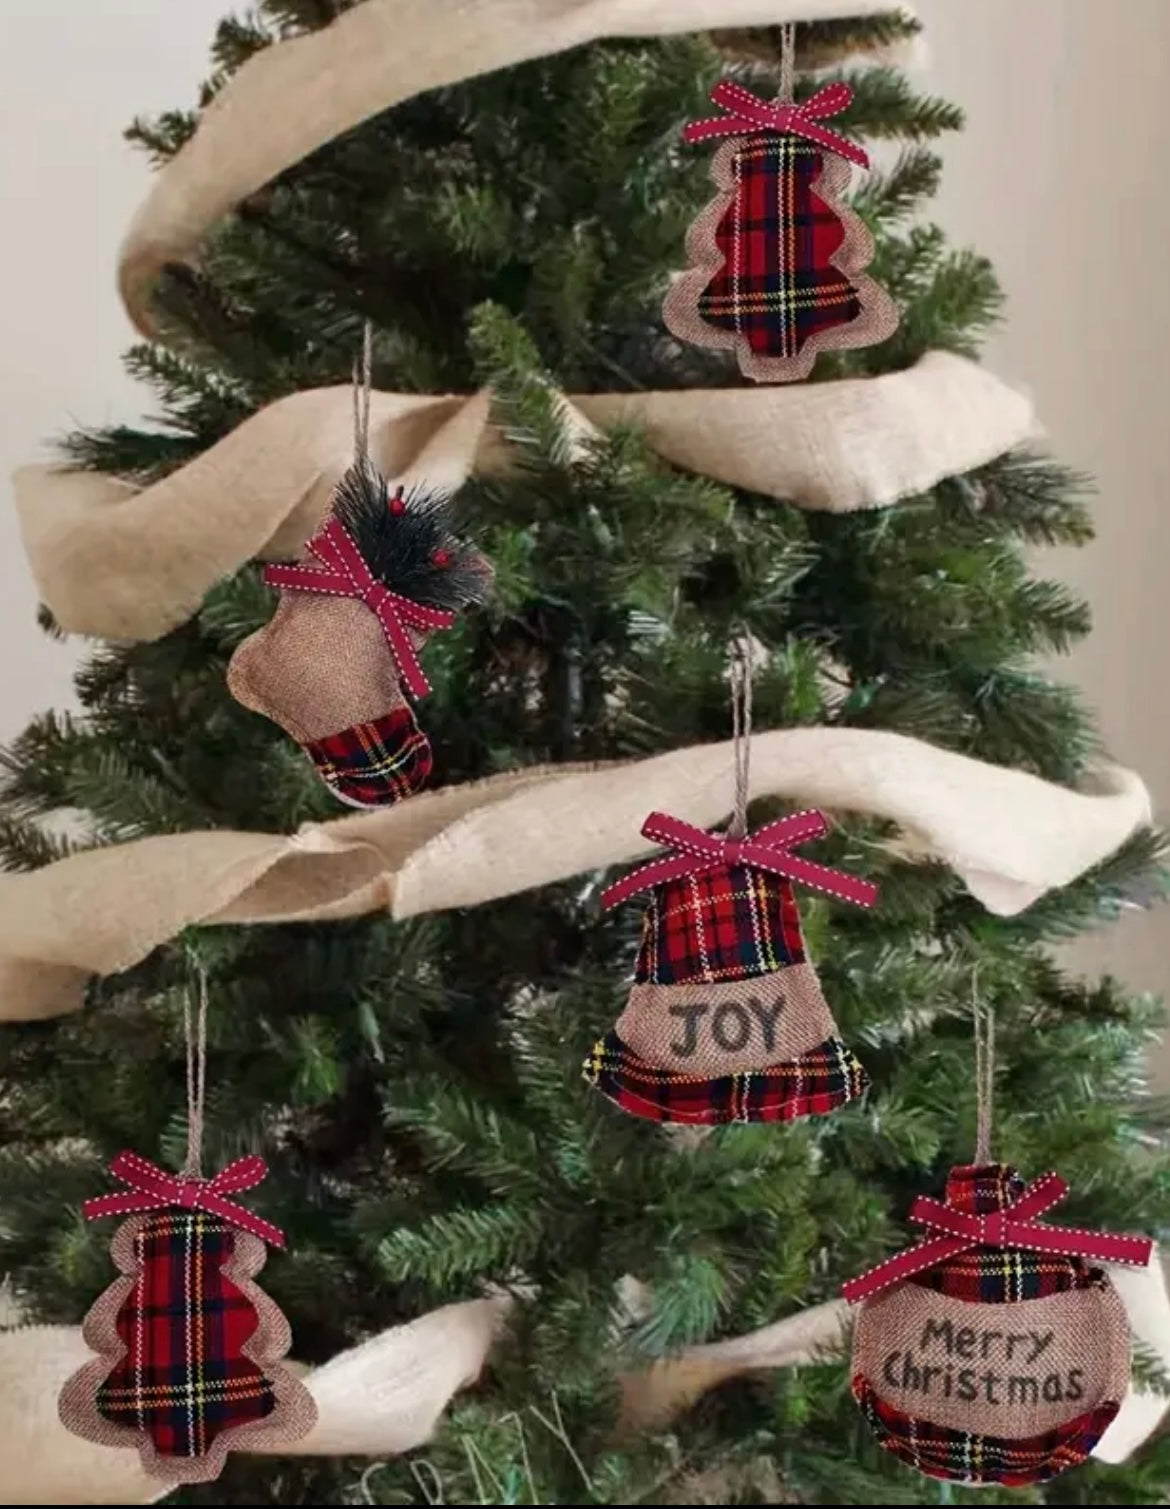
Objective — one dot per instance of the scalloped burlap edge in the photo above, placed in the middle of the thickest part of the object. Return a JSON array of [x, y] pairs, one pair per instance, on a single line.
[[292, 1419]]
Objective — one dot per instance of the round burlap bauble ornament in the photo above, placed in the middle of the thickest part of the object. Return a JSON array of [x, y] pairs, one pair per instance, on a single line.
[[998, 1364]]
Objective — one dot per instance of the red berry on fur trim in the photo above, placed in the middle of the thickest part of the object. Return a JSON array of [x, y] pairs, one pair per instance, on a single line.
[[398, 503], [441, 558]]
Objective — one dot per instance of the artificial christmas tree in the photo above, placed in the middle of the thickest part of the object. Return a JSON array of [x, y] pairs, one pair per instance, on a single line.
[[414, 1086]]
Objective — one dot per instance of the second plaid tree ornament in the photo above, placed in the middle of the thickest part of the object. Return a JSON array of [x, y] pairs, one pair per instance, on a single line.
[[777, 257], [726, 1020], [189, 1347]]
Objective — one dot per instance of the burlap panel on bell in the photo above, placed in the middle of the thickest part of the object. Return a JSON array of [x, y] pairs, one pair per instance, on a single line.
[[730, 1026], [321, 665], [1007, 1370]]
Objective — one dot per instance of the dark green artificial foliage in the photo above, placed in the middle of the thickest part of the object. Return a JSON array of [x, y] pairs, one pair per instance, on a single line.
[[415, 1087]]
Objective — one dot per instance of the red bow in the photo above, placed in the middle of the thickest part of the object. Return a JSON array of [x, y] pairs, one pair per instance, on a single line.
[[346, 574], [765, 850], [747, 115], [152, 1188], [1009, 1227]]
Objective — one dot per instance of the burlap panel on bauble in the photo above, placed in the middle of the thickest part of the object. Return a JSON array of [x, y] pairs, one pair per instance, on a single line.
[[1011, 1371]]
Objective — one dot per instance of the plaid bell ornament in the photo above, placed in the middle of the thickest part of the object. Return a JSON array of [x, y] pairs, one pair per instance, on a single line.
[[994, 1351], [188, 1346], [777, 258], [726, 1020]]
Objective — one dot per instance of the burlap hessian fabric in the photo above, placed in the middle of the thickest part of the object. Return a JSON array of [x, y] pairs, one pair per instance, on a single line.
[[386, 1396], [1007, 834], [378, 1399], [683, 309], [122, 562], [321, 664], [774, 1018], [975, 1368], [292, 1414], [293, 97]]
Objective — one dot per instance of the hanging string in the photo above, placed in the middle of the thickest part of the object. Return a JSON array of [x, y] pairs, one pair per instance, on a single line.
[[787, 63], [983, 1022], [362, 381], [741, 730], [195, 1033]]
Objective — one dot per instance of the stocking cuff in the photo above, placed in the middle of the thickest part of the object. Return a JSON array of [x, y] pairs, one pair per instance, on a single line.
[[374, 764]]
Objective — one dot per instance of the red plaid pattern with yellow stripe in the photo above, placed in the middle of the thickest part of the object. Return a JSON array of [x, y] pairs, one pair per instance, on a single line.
[[184, 1379], [728, 923], [375, 764], [962, 1457], [1000, 1275], [778, 286], [996, 1276], [812, 1085]]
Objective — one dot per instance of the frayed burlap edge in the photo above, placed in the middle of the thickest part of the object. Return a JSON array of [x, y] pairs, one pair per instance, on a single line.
[[879, 315], [383, 1397], [1008, 835], [299, 93], [295, 1412]]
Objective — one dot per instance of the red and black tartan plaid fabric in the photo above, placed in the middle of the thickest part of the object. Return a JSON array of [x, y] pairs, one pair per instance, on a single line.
[[1001, 1275], [728, 923], [812, 1085], [961, 1457], [184, 1379], [375, 764], [778, 287]]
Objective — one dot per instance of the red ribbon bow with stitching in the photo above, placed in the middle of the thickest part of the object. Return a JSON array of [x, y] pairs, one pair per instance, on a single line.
[[152, 1188], [344, 573], [747, 115], [1012, 1226], [767, 849]]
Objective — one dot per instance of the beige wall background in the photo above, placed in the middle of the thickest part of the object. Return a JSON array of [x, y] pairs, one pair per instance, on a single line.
[[73, 73], [1058, 179]]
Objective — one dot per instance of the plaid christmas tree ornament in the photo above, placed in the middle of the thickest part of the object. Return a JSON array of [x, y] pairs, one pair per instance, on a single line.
[[993, 1351], [339, 659], [726, 1020], [777, 257], [189, 1346]]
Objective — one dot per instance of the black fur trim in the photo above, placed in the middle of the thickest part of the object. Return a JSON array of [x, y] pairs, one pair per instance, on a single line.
[[413, 551]]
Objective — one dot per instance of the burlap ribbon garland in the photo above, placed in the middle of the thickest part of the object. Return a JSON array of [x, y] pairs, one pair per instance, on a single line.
[[298, 94], [385, 1397], [122, 562], [119, 561], [1007, 834]]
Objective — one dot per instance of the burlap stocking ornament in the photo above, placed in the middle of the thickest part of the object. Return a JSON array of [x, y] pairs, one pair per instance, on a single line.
[[726, 1020], [993, 1352], [339, 659], [189, 1347]]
